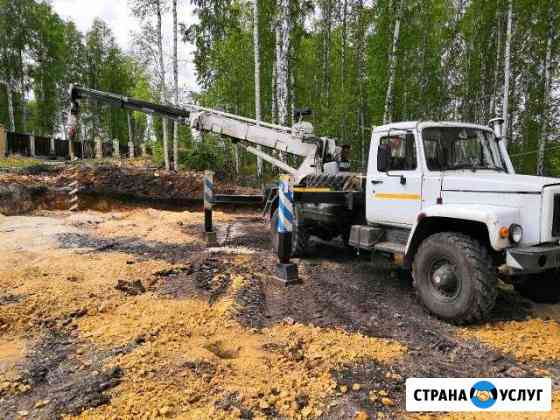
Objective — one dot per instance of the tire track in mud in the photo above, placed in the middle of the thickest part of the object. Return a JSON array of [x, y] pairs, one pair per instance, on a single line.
[[340, 290], [372, 299], [344, 291]]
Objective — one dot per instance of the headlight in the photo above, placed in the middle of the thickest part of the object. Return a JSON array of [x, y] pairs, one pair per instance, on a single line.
[[515, 233]]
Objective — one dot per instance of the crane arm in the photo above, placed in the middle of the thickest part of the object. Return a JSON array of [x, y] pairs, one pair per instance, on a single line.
[[78, 93], [297, 140]]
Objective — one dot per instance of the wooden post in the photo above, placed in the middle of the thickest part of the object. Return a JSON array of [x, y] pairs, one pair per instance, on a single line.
[[52, 146], [3, 142], [131, 150]]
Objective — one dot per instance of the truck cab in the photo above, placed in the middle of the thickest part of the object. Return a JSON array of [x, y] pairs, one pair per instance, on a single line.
[[443, 199]]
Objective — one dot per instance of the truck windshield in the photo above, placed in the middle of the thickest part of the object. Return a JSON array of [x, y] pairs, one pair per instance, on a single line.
[[449, 148]]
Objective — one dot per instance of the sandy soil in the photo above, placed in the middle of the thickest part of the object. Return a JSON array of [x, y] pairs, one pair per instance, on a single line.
[[126, 314]]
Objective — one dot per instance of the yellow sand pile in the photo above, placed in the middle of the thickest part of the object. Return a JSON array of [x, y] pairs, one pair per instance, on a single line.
[[531, 340], [196, 357]]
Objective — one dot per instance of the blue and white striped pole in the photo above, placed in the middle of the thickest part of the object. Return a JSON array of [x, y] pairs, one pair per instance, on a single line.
[[208, 200], [285, 219]]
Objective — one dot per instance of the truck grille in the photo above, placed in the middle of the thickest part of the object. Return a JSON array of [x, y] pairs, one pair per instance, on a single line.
[[556, 216]]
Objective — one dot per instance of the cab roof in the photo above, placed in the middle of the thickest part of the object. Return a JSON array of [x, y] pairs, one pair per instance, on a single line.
[[411, 125]]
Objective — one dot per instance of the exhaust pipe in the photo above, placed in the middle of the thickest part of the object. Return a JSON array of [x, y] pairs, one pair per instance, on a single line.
[[497, 124]]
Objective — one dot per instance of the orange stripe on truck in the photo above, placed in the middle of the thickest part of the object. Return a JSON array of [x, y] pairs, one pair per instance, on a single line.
[[397, 196]]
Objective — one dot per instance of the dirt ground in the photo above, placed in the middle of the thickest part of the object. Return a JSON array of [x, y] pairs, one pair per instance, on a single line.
[[124, 313]]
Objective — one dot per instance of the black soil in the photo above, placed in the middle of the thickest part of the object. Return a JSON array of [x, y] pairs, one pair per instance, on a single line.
[[60, 381]]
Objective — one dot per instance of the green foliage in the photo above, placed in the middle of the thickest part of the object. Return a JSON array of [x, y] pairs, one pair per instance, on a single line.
[[207, 155], [203, 156], [42, 55], [450, 59], [450, 63]]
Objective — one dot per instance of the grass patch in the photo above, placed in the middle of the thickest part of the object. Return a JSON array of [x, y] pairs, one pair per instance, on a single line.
[[18, 162]]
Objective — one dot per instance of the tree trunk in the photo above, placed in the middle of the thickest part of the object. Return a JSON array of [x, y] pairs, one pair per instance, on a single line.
[[282, 49], [130, 131], [507, 73], [327, 19], [388, 114], [273, 104], [360, 42], [176, 87], [148, 134], [163, 91], [22, 87], [543, 138], [343, 67], [256, 43], [493, 108], [9, 94], [236, 158]]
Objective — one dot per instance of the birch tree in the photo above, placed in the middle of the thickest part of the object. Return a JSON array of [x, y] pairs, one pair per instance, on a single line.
[[507, 72], [282, 50], [9, 96], [129, 124], [543, 138], [274, 93], [343, 53], [256, 43], [326, 53], [163, 84], [360, 39], [387, 114], [493, 108], [154, 8], [175, 87]]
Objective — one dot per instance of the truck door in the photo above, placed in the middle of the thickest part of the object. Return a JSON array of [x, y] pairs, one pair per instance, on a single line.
[[394, 197]]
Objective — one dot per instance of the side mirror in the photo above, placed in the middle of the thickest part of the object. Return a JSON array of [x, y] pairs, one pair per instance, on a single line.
[[383, 156]]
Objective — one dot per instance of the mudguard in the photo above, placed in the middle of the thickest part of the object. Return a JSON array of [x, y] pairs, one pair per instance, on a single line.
[[493, 217]]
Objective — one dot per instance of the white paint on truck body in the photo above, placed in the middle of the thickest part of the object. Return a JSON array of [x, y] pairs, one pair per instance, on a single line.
[[495, 198]]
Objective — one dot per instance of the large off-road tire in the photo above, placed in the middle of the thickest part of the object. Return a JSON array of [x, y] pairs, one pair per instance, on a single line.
[[454, 278], [300, 237], [541, 287]]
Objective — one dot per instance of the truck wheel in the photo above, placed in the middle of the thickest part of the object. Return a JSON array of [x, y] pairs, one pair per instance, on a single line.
[[300, 236], [540, 288], [454, 278]]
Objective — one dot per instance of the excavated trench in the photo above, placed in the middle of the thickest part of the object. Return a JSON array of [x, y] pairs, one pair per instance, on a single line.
[[102, 187]]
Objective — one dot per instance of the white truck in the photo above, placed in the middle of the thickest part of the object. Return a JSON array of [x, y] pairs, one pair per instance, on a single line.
[[439, 198]]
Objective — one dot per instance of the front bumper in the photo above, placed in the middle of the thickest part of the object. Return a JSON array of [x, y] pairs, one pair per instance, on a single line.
[[533, 259]]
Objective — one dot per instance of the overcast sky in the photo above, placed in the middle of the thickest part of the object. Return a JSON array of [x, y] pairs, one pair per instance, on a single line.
[[117, 15]]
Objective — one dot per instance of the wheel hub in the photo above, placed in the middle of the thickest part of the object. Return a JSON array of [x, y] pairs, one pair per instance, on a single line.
[[444, 279]]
